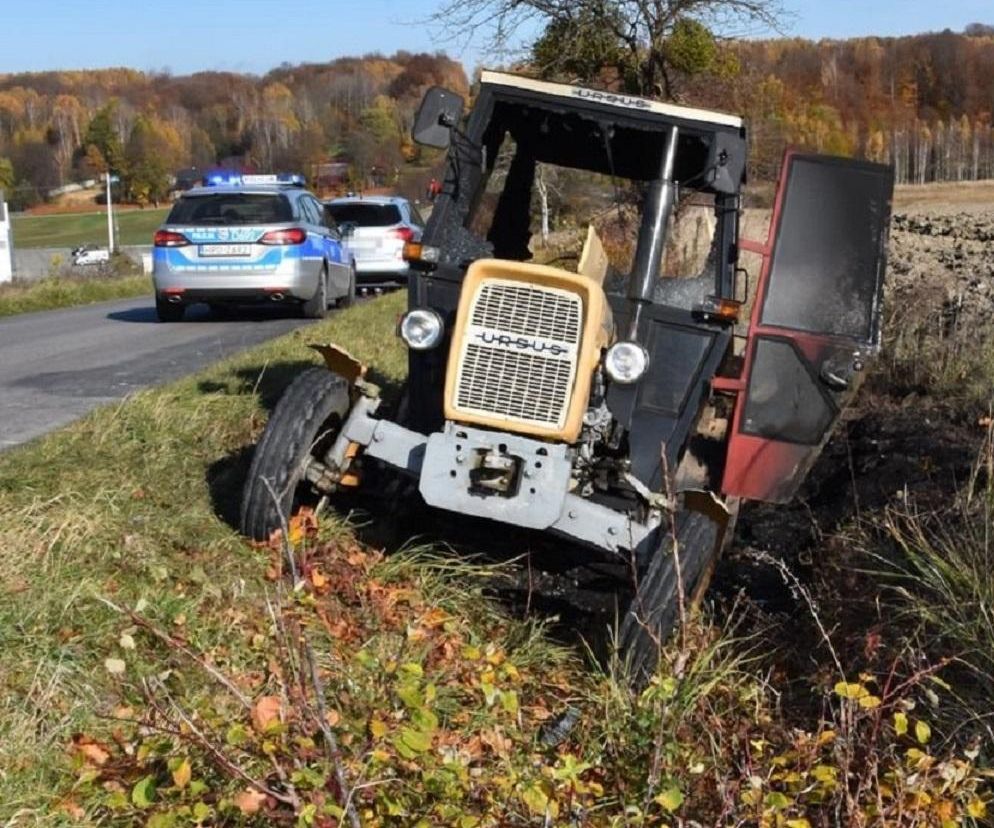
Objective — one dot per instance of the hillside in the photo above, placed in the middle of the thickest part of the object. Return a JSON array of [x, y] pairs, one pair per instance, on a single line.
[[924, 102], [57, 127]]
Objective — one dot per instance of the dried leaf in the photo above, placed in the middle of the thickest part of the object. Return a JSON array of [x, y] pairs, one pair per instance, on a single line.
[[92, 751], [850, 690], [126, 641], [264, 712], [536, 800], [670, 799], [976, 808], [115, 666], [900, 723], [72, 808], [250, 801], [182, 774]]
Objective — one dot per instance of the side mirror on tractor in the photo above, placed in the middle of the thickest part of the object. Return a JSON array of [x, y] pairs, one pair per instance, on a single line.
[[440, 111]]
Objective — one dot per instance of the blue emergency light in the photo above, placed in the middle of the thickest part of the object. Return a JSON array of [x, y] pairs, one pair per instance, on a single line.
[[230, 178]]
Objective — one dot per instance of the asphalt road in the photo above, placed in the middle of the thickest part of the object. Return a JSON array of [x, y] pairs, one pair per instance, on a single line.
[[56, 366]]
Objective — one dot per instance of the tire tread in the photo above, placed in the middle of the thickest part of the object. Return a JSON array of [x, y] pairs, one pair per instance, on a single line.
[[296, 422]]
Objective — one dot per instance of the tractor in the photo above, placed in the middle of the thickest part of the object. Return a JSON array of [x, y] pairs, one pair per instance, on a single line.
[[601, 398]]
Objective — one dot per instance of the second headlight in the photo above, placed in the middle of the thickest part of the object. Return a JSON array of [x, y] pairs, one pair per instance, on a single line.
[[421, 329], [626, 362]]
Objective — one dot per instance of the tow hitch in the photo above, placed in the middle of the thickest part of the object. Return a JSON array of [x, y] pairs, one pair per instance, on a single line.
[[494, 472]]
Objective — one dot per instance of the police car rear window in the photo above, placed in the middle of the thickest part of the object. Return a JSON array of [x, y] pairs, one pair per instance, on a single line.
[[231, 208], [366, 215]]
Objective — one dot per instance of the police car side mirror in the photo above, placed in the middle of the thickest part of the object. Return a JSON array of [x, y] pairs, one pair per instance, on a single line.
[[347, 229], [440, 111]]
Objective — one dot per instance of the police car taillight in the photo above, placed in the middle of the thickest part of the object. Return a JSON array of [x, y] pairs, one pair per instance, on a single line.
[[167, 238], [292, 236]]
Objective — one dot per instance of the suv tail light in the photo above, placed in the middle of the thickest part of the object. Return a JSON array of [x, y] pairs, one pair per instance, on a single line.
[[167, 238], [406, 234], [294, 235]]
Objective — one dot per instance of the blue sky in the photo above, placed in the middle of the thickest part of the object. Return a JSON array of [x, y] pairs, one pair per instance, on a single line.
[[256, 35]]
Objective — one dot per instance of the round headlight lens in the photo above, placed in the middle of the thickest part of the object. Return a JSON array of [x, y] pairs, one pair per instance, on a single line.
[[421, 329], [626, 362]]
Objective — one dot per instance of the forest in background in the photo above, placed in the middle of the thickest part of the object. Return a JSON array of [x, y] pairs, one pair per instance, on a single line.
[[67, 126], [923, 102]]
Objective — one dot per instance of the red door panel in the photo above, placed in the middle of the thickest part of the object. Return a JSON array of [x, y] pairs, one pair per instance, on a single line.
[[815, 322]]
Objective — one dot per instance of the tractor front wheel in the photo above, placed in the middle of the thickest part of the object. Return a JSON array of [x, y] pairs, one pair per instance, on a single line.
[[654, 608], [303, 426]]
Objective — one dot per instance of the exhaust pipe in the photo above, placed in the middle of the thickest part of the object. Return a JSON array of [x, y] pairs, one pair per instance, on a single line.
[[174, 298], [659, 204], [277, 297]]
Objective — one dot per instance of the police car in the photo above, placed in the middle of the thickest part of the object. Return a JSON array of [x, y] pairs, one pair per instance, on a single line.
[[246, 239]]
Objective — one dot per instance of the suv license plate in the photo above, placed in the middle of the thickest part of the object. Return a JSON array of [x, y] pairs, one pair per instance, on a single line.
[[225, 249]]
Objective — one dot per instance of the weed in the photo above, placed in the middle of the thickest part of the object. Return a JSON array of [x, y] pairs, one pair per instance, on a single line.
[[67, 291]]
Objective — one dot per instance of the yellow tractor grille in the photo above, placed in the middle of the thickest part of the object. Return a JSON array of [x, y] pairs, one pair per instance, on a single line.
[[519, 354]]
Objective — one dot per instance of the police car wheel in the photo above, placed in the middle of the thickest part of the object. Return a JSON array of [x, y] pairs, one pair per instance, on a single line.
[[348, 300], [653, 611], [168, 311], [305, 423], [317, 306]]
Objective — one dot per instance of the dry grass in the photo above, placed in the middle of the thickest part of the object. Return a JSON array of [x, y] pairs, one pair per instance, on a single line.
[[65, 291]]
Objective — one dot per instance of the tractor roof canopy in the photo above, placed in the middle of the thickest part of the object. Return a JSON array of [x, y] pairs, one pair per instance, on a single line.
[[614, 134]]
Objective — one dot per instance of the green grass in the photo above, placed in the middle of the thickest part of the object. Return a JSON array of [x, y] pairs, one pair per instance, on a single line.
[[72, 229], [122, 505], [437, 697], [64, 292]]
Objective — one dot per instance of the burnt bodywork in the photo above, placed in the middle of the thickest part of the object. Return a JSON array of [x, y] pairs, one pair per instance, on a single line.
[[615, 136], [589, 402], [815, 322]]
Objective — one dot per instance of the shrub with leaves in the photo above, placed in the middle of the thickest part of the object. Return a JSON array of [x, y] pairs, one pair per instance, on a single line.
[[389, 691]]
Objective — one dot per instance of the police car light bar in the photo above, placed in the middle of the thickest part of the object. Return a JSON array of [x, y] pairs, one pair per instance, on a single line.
[[279, 178], [221, 178]]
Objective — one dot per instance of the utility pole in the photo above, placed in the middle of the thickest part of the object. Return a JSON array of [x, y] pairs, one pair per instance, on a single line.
[[6, 254], [110, 217]]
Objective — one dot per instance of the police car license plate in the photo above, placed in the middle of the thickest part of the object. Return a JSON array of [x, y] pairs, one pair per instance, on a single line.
[[225, 249]]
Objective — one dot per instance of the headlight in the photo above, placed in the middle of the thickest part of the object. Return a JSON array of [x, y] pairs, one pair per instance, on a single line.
[[421, 329], [626, 362]]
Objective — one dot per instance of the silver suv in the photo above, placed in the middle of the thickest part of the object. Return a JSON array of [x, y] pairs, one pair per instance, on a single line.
[[250, 239], [378, 227]]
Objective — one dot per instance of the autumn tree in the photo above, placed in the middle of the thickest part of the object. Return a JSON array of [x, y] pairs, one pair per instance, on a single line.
[[6, 175], [102, 134], [650, 42], [154, 151]]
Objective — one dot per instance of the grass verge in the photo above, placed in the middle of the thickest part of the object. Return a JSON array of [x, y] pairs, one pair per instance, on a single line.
[[67, 291], [72, 229], [156, 669]]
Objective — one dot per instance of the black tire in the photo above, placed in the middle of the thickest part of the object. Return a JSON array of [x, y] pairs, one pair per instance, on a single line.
[[654, 609], [348, 300], [317, 306], [306, 419], [168, 311]]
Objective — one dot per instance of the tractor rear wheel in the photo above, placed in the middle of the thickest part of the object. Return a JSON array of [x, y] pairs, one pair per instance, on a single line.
[[304, 424], [654, 608]]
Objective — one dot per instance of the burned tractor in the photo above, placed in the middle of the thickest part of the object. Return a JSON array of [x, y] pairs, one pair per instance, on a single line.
[[628, 412]]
